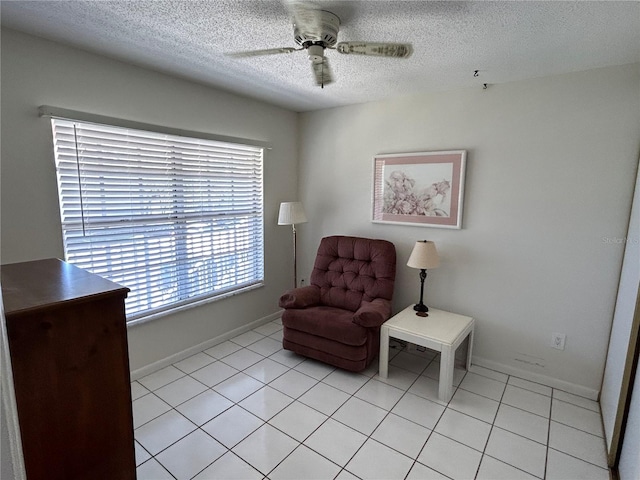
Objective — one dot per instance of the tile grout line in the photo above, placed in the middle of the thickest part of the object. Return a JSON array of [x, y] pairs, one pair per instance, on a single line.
[[386, 415], [370, 377], [493, 425], [486, 443], [199, 427], [265, 422], [432, 430], [301, 443], [546, 457], [578, 458]]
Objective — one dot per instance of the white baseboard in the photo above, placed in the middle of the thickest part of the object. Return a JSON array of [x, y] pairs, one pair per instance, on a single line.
[[569, 387], [165, 362]]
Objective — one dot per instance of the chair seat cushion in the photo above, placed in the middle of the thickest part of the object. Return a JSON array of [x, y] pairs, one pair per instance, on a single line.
[[327, 322]]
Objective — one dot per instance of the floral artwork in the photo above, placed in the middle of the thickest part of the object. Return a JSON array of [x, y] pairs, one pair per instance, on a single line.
[[419, 189], [402, 197]]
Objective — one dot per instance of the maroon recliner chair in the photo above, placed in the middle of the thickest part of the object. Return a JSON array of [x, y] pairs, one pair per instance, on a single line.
[[336, 319]]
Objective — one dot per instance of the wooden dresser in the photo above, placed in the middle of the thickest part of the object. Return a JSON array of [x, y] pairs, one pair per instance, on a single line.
[[68, 343]]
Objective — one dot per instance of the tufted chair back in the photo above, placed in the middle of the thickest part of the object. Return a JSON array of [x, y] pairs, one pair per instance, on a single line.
[[350, 270]]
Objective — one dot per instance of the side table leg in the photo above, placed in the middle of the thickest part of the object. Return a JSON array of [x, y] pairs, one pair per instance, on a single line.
[[383, 369], [470, 350], [445, 387]]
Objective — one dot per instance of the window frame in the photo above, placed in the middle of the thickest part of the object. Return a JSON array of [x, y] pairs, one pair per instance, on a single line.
[[180, 304]]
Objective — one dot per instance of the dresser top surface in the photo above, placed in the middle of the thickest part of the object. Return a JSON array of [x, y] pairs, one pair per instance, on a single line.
[[32, 285]]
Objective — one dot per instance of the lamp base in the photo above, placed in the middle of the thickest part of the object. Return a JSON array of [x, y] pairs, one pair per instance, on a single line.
[[421, 309]]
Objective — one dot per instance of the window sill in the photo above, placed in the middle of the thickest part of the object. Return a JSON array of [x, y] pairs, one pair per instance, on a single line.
[[171, 311]]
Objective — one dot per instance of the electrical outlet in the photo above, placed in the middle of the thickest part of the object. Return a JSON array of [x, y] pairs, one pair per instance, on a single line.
[[558, 340]]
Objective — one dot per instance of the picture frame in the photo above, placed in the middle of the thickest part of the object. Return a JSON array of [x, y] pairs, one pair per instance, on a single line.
[[423, 189]]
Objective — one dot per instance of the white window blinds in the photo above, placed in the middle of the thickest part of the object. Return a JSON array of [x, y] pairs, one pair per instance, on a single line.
[[173, 218]]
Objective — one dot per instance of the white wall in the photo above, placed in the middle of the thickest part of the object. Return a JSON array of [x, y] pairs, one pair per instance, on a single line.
[[37, 72], [6, 460], [550, 171]]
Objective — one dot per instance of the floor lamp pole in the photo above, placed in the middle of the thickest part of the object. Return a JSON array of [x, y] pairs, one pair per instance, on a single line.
[[295, 266]]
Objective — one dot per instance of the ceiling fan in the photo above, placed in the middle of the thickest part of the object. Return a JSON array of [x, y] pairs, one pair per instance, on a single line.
[[316, 30]]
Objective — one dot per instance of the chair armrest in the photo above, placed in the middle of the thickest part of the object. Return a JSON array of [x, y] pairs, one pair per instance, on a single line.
[[373, 314], [301, 297]]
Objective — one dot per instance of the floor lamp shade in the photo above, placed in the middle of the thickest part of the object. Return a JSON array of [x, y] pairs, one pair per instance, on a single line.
[[290, 214]]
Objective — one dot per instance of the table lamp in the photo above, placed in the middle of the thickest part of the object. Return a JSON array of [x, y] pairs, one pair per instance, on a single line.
[[423, 256], [290, 214]]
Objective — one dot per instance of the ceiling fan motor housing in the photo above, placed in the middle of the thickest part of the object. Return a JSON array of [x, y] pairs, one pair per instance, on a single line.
[[326, 34]]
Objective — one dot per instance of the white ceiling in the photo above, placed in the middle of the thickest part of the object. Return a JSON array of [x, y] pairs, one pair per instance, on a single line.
[[505, 41]]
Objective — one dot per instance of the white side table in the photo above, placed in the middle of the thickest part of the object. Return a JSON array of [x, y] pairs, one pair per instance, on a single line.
[[441, 331]]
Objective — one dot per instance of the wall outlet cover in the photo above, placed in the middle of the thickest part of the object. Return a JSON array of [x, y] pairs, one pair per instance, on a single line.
[[558, 340]]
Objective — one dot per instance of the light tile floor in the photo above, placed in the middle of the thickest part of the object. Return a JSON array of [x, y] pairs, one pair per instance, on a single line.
[[246, 409]]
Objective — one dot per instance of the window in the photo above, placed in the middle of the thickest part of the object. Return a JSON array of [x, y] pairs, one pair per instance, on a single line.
[[175, 219]]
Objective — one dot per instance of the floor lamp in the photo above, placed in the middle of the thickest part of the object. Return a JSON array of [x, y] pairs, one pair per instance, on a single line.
[[290, 214]]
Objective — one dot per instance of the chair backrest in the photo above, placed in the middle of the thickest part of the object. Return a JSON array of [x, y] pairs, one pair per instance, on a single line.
[[350, 270]]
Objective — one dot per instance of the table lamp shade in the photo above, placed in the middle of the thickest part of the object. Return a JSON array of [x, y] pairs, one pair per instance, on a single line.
[[424, 255], [291, 213]]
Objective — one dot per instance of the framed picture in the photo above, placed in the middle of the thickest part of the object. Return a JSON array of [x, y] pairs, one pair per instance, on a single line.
[[422, 189]]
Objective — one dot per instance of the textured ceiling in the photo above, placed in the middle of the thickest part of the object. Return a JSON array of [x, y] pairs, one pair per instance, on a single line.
[[505, 41]]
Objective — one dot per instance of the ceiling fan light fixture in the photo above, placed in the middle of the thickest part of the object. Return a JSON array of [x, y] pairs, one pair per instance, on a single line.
[[316, 53]]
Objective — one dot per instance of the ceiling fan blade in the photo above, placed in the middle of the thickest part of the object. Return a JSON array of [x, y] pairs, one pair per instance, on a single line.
[[322, 72], [397, 50], [266, 51], [306, 18]]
